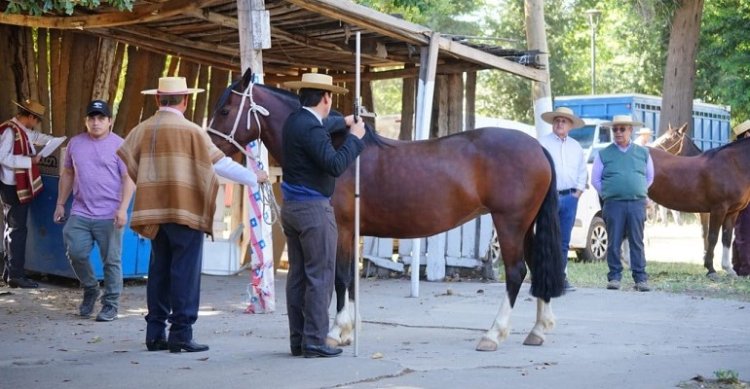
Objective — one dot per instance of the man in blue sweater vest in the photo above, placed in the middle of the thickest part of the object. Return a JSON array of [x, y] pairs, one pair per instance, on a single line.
[[622, 173]]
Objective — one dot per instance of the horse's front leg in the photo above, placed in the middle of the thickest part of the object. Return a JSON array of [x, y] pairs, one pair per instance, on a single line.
[[341, 331], [726, 240]]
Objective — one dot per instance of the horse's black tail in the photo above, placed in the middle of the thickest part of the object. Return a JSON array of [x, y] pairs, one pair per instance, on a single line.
[[547, 273]]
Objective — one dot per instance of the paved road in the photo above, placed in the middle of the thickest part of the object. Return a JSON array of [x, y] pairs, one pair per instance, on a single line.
[[602, 339]]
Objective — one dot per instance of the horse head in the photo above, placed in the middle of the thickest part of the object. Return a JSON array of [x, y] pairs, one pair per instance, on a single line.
[[674, 140], [248, 111]]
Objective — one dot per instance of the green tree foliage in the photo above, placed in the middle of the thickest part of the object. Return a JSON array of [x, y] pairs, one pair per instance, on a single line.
[[39, 7], [723, 75]]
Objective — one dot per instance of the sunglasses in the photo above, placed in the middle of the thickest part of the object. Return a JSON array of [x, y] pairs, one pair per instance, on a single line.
[[619, 129]]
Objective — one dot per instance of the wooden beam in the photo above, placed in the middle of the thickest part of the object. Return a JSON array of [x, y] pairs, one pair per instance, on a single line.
[[364, 17], [387, 25], [140, 14], [480, 57]]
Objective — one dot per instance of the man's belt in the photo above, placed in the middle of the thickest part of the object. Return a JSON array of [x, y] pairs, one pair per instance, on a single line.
[[566, 192]]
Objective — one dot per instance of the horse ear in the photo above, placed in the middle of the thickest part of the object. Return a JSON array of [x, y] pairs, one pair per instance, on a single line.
[[682, 129], [247, 77], [670, 129]]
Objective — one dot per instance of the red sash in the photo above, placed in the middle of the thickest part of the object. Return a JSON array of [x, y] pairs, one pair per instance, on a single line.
[[28, 181]]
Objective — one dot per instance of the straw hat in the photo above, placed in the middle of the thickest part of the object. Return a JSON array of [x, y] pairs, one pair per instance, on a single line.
[[742, 127], [33, 106], [172, 86], [316, 81], [644, 131], [565, 112], [622, 120]]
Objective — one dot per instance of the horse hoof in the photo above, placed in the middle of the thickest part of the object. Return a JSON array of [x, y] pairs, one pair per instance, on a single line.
[[487, 345], [713, 276], [330, 342], [533, 340]]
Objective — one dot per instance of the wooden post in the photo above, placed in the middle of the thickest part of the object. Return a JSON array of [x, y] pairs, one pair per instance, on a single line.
[[427, 69], [537, 40], [103, 74], [471, 100], [43, 72], [7, 79], [408, 94], [199, 114], [455, 104], [255, 35]]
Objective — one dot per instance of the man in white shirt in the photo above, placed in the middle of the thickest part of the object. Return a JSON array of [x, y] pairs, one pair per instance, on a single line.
[[570, 168], [20, 182]]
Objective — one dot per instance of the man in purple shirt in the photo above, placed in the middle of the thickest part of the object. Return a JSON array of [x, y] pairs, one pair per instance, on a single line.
[[622, 173], [102, 191]]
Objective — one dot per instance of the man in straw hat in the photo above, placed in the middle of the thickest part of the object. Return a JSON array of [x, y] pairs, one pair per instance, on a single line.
[[20, 182], [570, 168], [741, 244], [172, 161], [644, 136], [310, 170], [622, 173]]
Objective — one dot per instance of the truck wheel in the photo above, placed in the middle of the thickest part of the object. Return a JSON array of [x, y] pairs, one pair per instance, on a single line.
[[596, 242]]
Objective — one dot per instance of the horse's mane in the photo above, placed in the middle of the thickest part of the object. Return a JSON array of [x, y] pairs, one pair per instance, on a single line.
[[236, 86], [738, 143], [371, 134]]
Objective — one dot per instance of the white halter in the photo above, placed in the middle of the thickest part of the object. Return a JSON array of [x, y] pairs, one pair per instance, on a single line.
[[267, 196], [254, 109]]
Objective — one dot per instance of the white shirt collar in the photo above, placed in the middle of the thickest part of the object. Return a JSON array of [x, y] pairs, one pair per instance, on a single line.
[[317, 115]]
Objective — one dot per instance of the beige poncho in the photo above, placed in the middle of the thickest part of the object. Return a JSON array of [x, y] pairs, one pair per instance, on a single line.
[[171, 161]]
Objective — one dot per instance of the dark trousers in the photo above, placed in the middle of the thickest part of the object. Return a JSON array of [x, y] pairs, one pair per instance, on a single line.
[[741, 245], [625, 218], [14, 237], [174, 281], [310, 229]]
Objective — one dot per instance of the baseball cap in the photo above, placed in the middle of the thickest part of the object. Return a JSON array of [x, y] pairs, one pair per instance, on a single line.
[[98, 107]]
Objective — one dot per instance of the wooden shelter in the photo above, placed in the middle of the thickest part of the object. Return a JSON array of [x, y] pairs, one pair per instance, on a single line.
[[65, 61], [89, 54]]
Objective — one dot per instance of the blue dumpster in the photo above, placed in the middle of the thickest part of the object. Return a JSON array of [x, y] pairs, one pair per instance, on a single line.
[[45, 250]]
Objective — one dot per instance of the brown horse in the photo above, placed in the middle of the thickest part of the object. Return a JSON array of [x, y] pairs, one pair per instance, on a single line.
[[417, 189], [714, 183]]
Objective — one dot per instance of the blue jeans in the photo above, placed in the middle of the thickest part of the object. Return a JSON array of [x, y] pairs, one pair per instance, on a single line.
[[79, 235], [625, 218], [567, 212]]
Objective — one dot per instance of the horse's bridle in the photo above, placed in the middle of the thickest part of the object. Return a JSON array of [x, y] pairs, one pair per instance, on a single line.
[[254, 108], [680, 143], [267, 197]]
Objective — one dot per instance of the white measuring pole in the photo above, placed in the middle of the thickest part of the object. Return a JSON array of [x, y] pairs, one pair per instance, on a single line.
[[357, 102]]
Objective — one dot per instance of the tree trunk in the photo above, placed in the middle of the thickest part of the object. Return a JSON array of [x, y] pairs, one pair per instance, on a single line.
[[679, 73], [536, 38]]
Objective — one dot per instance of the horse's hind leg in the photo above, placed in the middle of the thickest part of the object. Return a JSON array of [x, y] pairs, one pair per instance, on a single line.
[[515, 272], [545, 321], [341, 331]]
